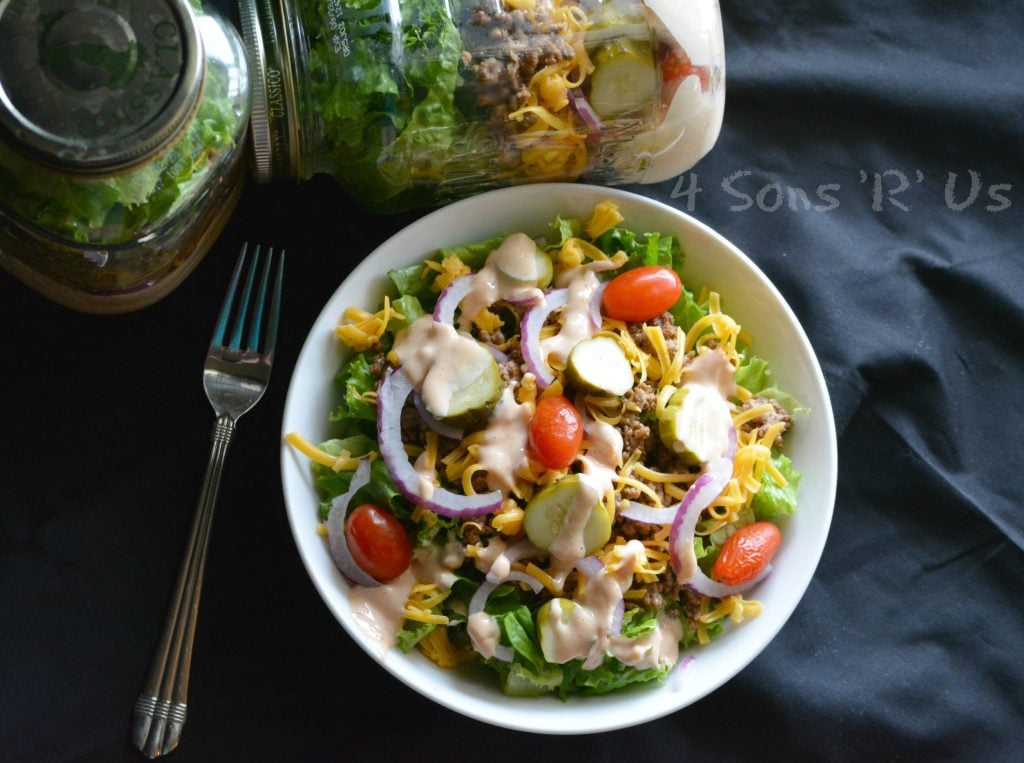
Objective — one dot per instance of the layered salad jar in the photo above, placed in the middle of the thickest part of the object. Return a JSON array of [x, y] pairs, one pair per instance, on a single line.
[[412, 103], [122, 126]]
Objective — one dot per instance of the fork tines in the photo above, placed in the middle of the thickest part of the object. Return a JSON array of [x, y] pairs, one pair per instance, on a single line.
[[252, 335]]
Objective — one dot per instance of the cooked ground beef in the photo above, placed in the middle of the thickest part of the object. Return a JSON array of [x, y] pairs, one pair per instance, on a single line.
[[412, 425], [652, 598], [668, 327], [644, 396], [629, 529], [495, 337], [473, 531], [631, 493], [378, 364], [763, 422], [504, 49], [636, 435], [512, 370]]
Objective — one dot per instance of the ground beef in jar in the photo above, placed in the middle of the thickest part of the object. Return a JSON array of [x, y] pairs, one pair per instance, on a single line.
[[764, 421], [504, 49]]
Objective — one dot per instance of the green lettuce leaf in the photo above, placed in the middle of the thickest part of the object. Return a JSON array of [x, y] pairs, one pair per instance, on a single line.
[[411, 633], [610, 676], [562, 229], [354, 380], [773, 502], [754, 374], [410, 308]]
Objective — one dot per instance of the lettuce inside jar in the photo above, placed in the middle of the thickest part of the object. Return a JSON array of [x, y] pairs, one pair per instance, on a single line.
[[418, 102], [565, 575], [121, 134]]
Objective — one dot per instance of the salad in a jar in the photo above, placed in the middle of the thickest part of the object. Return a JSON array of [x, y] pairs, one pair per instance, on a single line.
[[421, 101], [555, 458]]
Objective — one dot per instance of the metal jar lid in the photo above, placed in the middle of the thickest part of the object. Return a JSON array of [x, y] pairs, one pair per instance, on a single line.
[[97, 86]]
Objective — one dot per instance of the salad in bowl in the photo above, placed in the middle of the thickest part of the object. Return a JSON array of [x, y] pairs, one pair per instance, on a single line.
[[554, 457]]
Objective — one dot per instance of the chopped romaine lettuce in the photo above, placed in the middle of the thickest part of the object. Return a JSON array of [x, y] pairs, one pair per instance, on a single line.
[[773, 502], [355, 380]]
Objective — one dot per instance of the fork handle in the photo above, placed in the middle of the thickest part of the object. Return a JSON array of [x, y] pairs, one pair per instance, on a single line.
[[160, 709]]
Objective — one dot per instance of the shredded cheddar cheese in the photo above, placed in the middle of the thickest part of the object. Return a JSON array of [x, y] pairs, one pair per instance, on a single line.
[[362, 330], [605, 216]]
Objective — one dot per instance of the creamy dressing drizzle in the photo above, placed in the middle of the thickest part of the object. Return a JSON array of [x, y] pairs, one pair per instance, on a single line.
[[503, 451], [575, 321], [568, 545], [584, 632], [379, 611], [510, 274], [427, 476], [603, 455], [438, 359], [487, 556], [710, 379], [712, 369], [483, 633]]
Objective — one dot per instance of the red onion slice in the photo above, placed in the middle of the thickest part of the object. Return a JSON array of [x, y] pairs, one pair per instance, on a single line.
[[453, 294], [521, 577], [529, 328], [708, 486], [587, 114], [590, 566], [618, 613], [499, 356], [432, 423], [394, 390], [595, 305], [337, 543], [649, 515], [476, 604], [681, 670]]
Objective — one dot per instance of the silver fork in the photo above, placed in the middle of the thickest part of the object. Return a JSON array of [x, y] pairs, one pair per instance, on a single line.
[[235, 376]]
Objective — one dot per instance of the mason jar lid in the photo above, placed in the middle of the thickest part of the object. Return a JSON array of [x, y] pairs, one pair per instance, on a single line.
[[97, 86]]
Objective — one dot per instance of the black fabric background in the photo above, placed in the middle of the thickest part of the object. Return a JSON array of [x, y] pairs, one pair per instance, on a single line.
[[908, 643]]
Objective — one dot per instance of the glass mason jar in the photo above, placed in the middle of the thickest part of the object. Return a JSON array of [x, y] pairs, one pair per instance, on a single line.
[[121, 141], [412, 103]]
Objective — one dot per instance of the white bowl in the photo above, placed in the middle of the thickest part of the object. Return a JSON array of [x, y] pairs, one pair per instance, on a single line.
[[746, 294]]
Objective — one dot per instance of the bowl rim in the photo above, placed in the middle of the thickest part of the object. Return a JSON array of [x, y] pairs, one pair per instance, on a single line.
[[512, 713]]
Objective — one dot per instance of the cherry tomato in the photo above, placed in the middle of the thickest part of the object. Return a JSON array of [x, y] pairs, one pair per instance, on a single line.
[[677, 66], [642, 293], [746, 552], [378, 542], [556, 432]]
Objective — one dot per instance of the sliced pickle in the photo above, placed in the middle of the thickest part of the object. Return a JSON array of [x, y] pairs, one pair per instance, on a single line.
[[472, 403], [599, 365], [695, 423], [625, 79], [547, 514]]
